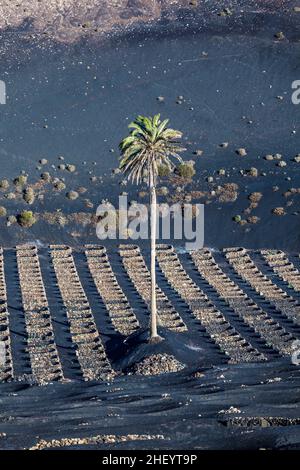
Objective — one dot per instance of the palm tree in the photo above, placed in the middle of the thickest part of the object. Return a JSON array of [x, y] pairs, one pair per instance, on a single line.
[[150, 144]]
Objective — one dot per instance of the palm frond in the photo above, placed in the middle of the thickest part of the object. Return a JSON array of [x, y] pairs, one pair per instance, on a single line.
[[148, 144]]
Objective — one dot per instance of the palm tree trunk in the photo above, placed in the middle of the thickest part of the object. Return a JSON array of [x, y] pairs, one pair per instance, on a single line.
[[153, 320]]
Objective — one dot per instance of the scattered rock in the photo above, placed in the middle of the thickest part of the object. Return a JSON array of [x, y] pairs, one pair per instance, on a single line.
[[157, 364], [163, 191], [281, 163], [242, 152], [82, 190], [43, 161], [297, 158], [279, 35], [71, 168], [253, 172], [88, 203], [231, 410], [72, 195], [269, 157], [225, 12]]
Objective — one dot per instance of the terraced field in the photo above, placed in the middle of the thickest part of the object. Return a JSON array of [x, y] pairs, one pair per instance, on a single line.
[[61, 309]]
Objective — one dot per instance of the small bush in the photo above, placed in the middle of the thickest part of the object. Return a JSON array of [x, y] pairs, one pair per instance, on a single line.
[[20, 180], [46, 176], [279, 211], [253, 219], [10, 196], [29, 196], [3, 211], [26, 219], [59, 186], [4, 184], [163, 191], [255, 197], [11, 219], [186, 170], [163, 170]]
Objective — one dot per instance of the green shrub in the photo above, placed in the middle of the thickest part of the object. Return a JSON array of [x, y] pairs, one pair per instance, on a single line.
[[163, 170], [26, 219], [186, 170]]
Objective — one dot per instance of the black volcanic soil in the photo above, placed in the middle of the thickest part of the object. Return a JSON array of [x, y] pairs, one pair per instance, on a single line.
[[226, 407]]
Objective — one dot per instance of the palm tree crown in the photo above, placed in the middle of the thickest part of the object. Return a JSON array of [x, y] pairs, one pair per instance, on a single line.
[[149, 144]]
